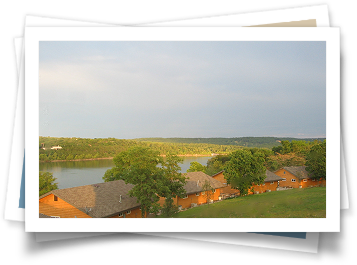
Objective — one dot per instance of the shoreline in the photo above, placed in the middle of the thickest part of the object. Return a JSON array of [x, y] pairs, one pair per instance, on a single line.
[[104, 158], [75, 160]]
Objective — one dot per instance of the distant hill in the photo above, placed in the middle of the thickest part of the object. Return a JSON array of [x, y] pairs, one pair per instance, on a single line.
[[54, 148], [260, 142]]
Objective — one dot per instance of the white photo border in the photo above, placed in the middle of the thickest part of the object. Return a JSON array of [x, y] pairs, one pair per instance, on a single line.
[[35, 224]]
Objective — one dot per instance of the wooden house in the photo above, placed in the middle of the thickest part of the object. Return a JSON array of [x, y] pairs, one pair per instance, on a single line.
[[271, 183], [102, 200], [195, 194], [297, 177], [227, 190]]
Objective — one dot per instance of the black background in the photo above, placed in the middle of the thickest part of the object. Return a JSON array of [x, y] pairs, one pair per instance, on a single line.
[[136, 248]]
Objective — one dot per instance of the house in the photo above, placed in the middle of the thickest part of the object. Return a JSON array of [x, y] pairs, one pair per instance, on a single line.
[[103, 200], [271, 183], [297, 177], [227, 190], [56, 147], [195, 194]]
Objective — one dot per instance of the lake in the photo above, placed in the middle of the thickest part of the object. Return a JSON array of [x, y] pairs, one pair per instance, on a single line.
[[78, 173]]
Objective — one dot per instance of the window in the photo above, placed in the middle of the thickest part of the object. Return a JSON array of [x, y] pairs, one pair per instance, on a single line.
[[293, 180], [214, 190], [120, 215], [128, 212], [263, 184], [284, 179], [186, 196], [304, 180], [55, 198], [284, 172], [272, 182], [197, 194]]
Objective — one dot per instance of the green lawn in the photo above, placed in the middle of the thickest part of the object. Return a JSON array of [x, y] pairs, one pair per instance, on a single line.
[[294, 203]]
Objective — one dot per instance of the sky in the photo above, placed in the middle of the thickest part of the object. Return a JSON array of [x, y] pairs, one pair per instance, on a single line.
[[127, 90]]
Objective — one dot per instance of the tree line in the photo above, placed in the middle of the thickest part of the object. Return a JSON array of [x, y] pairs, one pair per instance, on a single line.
[[86, 148], [260, 142]]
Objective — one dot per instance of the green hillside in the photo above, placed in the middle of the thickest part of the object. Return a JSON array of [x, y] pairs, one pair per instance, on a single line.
[[294, 203]]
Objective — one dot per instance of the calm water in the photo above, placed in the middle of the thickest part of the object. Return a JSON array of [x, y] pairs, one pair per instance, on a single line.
[[78, 173]]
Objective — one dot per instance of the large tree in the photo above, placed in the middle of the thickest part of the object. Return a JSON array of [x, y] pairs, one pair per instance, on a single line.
[[316, 161], [152, 176], [243, 169]]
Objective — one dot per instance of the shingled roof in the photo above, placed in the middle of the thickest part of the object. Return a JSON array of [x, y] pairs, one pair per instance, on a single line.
[[298, 171], [270, 176], [102, 199], [196, 180]]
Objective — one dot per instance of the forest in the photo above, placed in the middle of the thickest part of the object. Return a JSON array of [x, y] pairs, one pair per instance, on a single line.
[[282, 153], [86, 148]]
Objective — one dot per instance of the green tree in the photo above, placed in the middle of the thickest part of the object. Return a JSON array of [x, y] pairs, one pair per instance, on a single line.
[[286, 146], [195, 167], [316, 161], [152, 176], [173, 184], [174, 180], [47, 182], [277, 149], [271, 163], [243, 169], [70, 157], [299, 147], [43, 157], [216, 164]]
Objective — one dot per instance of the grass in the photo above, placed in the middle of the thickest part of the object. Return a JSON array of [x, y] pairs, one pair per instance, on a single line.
[[294, 203]]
